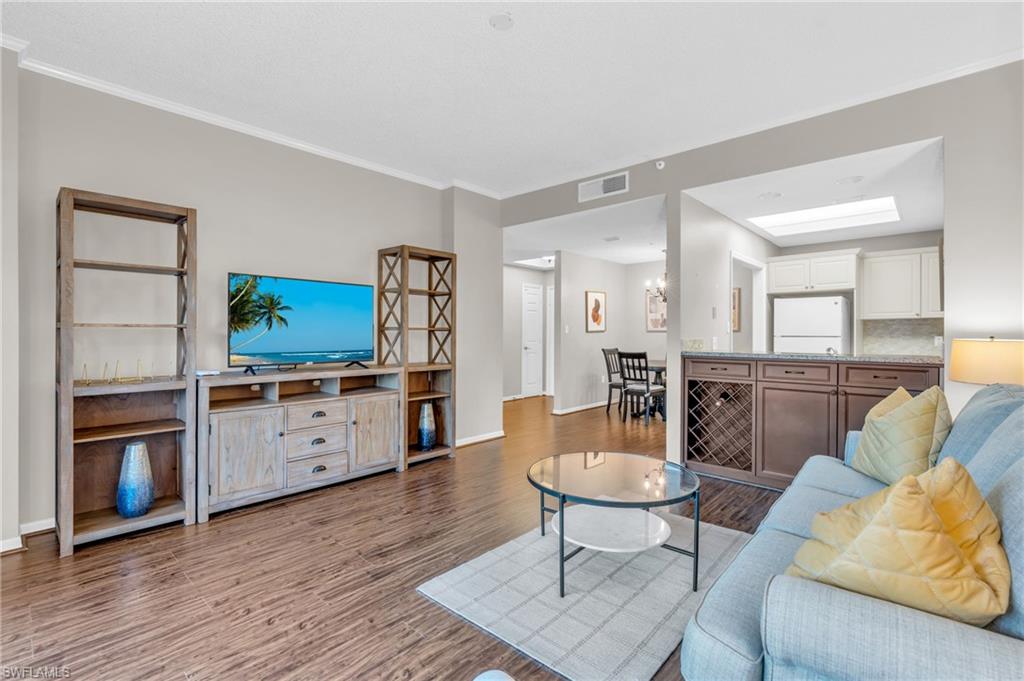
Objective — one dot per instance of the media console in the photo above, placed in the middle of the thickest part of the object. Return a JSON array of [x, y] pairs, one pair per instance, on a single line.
[[278, 433]]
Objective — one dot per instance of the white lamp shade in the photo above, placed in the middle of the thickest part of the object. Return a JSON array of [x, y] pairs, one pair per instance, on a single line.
[[987, 360]]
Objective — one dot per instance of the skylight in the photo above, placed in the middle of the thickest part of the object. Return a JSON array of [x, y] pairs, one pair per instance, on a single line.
[[833, 216], [545, 263]]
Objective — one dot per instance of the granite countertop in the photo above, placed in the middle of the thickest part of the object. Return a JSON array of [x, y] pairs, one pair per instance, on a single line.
[[930, 360]]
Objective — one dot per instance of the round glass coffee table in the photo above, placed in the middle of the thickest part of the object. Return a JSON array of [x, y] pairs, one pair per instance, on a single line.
[[612, 493]]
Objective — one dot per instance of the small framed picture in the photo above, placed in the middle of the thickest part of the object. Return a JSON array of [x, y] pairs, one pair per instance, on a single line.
[[736, 302], [597, 311], [656, 312], [593, 459]]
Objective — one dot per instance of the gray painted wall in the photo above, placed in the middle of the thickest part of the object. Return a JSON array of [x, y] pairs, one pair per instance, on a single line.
[[743, 279], [708, 241], [262, 208], [637, 338], [473, 232], [513, 279], [579, 367], [9, 306], [979, 117]]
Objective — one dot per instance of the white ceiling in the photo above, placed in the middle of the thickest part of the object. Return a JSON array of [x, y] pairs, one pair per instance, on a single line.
[[639, 226], [912, 173], [432, 93]]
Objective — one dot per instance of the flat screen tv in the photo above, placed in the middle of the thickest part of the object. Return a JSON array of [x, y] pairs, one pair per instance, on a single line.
[[281, 321]]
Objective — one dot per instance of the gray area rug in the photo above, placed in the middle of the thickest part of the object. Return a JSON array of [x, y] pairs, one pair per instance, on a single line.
[[622, 615]]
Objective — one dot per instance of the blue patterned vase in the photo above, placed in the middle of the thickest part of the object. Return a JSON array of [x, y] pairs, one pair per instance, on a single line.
[[428, 432], [135, 488]]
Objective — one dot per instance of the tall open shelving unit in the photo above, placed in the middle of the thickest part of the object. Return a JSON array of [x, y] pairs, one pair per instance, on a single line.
[[431, 381], [95, 420]]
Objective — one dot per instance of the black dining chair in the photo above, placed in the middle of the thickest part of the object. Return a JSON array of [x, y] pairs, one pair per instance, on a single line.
[[636, 383], [611, 363]]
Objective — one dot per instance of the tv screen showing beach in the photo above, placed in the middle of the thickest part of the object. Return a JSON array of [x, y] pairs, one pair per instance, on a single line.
[[276, 320]]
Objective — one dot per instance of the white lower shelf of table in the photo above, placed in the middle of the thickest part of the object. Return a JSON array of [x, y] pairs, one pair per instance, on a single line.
[[616, 530]]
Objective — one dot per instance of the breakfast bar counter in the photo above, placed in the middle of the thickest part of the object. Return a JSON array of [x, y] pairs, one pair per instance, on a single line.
[[757, 417]]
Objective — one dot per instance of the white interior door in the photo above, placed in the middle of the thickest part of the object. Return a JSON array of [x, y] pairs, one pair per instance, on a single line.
[[533, 339], [549, 342]]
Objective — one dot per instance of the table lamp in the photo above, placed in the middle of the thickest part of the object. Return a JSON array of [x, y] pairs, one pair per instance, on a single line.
[[987, 360]]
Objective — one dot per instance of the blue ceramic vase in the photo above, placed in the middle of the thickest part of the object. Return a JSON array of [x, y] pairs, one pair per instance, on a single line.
[[428, 431], [135, 487]]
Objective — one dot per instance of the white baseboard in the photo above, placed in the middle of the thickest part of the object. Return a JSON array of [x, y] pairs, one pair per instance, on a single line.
[[473, 439], [582, 407], [12, 544], [37, 526]]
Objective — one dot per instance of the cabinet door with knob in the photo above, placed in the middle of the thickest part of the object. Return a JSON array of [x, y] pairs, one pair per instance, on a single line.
[[247, 453], [374, 429], [892, 287], [789, 276], [795, 422]]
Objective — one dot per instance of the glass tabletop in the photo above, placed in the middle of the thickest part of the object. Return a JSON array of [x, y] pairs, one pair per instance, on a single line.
[[613, 479]]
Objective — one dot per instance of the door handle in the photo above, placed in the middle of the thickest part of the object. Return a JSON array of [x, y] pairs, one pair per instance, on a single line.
[[319, 469], [319, 414], [318, 441]]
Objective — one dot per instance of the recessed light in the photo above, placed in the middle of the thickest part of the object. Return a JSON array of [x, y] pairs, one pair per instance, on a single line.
[[852, 179], [611, 238], [501, 21], [769, 196], [835, 216]]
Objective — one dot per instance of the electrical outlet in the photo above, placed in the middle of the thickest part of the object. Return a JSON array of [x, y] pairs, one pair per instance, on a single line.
[[603, 379], [938, 341], [714, 342]]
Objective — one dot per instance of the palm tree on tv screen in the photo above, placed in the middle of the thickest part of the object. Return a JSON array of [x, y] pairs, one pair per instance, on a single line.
[[249, 308]]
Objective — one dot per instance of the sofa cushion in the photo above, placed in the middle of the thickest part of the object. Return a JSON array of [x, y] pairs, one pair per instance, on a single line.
[[903, 435], [1007, 501], [979, 418], [929, 542], [1003, 448], [723, 640], [796, 508], [829, 473]]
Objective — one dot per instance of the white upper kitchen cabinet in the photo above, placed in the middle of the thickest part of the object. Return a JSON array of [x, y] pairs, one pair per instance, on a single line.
[[832, 271], [901, 284], [789, 276]]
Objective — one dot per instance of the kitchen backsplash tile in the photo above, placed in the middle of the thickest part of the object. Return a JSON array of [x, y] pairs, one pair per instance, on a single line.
[[901, 336]]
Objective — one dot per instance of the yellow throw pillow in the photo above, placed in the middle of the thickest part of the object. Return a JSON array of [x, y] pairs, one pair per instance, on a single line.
[[929, 542], [902, 435]]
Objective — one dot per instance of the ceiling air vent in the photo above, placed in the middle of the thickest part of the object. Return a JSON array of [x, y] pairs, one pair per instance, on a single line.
[[604, 186]]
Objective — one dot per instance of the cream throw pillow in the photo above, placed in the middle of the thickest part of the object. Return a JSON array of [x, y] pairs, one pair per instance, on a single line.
[[929, 542], [902, 435]]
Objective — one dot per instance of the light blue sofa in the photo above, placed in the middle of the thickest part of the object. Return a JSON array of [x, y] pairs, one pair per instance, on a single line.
[[756, 623]]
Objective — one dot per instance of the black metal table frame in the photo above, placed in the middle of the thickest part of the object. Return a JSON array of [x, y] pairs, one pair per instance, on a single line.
[[646, 505]]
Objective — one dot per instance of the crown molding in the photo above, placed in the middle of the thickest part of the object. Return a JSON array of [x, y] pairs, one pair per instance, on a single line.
[[477, 189], [46, 69], [625, 163]]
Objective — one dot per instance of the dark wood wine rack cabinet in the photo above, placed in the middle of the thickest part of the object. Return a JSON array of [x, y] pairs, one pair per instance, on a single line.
[[758, 421]]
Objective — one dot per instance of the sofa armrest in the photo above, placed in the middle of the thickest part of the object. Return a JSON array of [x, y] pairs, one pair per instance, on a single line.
[[838, 634], [852, 438]]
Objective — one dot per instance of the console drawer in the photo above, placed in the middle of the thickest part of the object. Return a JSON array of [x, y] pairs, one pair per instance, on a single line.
[[823, 373], [316, 468], [888, 376], [316, 441], [313, 414], [709, 368]]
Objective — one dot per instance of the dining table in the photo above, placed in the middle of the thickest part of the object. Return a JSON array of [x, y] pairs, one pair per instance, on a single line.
[[657, 367]]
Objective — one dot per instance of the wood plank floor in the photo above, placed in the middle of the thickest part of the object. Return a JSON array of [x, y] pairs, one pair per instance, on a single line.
[[321, 585]]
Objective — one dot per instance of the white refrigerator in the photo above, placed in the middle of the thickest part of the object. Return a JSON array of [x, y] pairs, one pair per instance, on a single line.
[[812, 325]]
